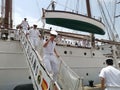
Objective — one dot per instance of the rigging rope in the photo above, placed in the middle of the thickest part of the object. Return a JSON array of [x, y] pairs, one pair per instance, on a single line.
[[37, 4], [66, 5], [110, 17], [104, 18], [77, 6], [112, 22], [108, 25], [38, 10]]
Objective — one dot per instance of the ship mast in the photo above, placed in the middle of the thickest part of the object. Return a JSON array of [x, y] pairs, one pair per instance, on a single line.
[[89, 15], [8, 14], [88, 8], [2, 12]]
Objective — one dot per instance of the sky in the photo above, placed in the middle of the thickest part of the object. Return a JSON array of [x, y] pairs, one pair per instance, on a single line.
[[32, 10]]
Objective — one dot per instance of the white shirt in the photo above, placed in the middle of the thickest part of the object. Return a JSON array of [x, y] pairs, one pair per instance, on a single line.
[[24, 24], [49, 49], [34, 33], [111, 76]]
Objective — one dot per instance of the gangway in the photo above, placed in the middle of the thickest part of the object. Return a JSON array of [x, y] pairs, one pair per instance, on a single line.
[[41, 79]]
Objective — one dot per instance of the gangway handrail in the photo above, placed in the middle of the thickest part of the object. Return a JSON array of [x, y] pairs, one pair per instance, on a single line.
[[40, 76], [72, 77]]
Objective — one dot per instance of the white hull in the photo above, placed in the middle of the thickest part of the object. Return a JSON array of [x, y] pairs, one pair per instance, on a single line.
[[85, 62], [13, 66], [86, 66]]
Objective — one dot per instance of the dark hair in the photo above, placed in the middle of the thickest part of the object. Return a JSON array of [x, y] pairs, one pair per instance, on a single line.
[[25, 19], [53, 35], [35, 26], [109, 62]]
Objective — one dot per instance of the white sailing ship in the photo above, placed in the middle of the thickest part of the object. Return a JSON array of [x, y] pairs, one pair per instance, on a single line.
[[81, 56]]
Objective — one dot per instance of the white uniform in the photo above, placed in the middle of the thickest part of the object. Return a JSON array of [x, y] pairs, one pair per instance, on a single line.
[[50, 59], [112, 77], [25, 26], [17, 34], [34, 37]]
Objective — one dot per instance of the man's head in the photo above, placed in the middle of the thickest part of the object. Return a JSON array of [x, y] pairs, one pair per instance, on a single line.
[[109, 62], [25, 19], [53, 34], [34, 26]]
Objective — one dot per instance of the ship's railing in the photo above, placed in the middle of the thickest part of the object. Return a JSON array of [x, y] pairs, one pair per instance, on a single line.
[[40, 77], [67, 78]]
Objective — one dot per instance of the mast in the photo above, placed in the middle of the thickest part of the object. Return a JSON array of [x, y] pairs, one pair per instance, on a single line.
[[88, 8], [8, 14], [89, 15], [2, 12]]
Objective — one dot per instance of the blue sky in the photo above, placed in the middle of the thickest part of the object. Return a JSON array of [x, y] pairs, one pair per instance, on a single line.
[[31, 9]]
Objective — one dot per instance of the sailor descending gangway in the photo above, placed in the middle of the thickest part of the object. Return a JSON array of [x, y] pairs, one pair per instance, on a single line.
[[67, 79]]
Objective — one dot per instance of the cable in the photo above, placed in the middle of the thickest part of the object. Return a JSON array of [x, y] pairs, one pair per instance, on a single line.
[[108, 26], [109, 16]]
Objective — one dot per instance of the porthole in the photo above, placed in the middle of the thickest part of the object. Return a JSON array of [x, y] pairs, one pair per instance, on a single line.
[[85, 53], [93, 54], [65, 52], [86, 74], [102, 48]]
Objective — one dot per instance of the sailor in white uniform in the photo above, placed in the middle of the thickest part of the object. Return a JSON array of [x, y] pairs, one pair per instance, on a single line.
[[34, 36], [110, 77], [25, 25], [50, 54]]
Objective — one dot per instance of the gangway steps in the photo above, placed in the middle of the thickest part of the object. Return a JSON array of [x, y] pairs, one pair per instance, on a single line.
[[67, 79]]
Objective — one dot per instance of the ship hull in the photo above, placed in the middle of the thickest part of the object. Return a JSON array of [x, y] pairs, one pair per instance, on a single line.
[[13, 66]]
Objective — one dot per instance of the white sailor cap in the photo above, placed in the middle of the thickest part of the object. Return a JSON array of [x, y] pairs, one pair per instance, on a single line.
[[53, 32]]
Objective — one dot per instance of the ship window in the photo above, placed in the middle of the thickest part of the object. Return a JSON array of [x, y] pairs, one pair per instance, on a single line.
[[29, 77], [85, 53], [112, 51], [86, 74], [93, 54], [65, 41], [65, 52], [102, 48]]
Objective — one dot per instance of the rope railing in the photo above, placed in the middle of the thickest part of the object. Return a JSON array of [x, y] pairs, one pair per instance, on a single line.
[[67, 78]]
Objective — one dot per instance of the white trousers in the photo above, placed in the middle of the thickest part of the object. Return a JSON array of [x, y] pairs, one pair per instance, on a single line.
[[25, 31], [34, 42], [51, 64]]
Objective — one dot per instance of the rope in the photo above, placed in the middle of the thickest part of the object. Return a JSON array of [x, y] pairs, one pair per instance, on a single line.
[[109, 16], [108, 26], [66, 5]]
